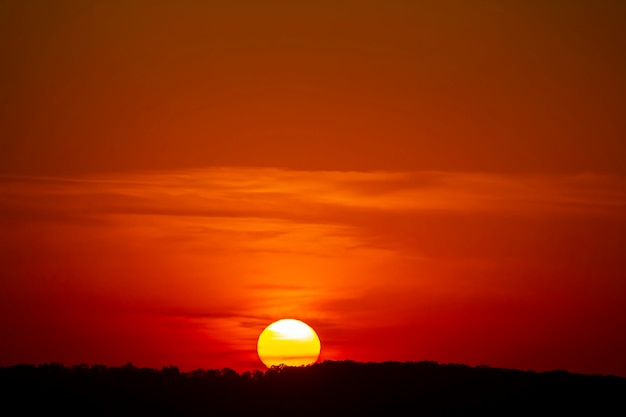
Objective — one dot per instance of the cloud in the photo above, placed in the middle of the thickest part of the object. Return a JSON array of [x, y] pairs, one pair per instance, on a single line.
[[313, 195], [263, 235]]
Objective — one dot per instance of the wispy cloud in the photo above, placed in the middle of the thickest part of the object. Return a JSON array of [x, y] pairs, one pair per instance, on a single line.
[[288, 194]]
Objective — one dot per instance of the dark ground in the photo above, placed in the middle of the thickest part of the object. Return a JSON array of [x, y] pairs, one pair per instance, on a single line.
[[331, 388]]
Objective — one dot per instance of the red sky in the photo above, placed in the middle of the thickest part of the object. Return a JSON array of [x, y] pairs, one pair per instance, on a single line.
[[434, 180]]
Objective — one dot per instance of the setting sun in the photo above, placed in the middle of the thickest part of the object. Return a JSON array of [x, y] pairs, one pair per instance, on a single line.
[[289, 342]]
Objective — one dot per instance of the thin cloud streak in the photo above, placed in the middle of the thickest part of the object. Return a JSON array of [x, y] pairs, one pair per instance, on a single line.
[[263, 192]]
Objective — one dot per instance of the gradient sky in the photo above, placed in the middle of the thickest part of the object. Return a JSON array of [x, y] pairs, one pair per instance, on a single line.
[[417, 180]]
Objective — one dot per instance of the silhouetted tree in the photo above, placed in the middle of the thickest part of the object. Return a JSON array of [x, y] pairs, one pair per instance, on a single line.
[[328, 388]]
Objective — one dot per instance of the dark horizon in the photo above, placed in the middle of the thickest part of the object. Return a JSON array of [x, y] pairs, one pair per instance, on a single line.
[[327, 388], [263, 369]]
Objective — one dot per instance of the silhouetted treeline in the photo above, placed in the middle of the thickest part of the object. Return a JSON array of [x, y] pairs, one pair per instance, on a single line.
[[344, 388]]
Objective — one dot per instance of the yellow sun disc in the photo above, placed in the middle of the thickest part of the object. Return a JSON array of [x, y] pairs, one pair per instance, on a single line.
[[288, 342]]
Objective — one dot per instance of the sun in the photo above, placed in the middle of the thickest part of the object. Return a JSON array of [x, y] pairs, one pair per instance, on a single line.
[[288, 342]]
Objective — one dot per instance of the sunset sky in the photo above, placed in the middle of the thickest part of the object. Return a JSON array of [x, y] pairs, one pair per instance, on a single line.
[[417, 180]]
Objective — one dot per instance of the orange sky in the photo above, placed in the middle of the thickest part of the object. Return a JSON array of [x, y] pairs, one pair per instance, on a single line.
[[435, 180]]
